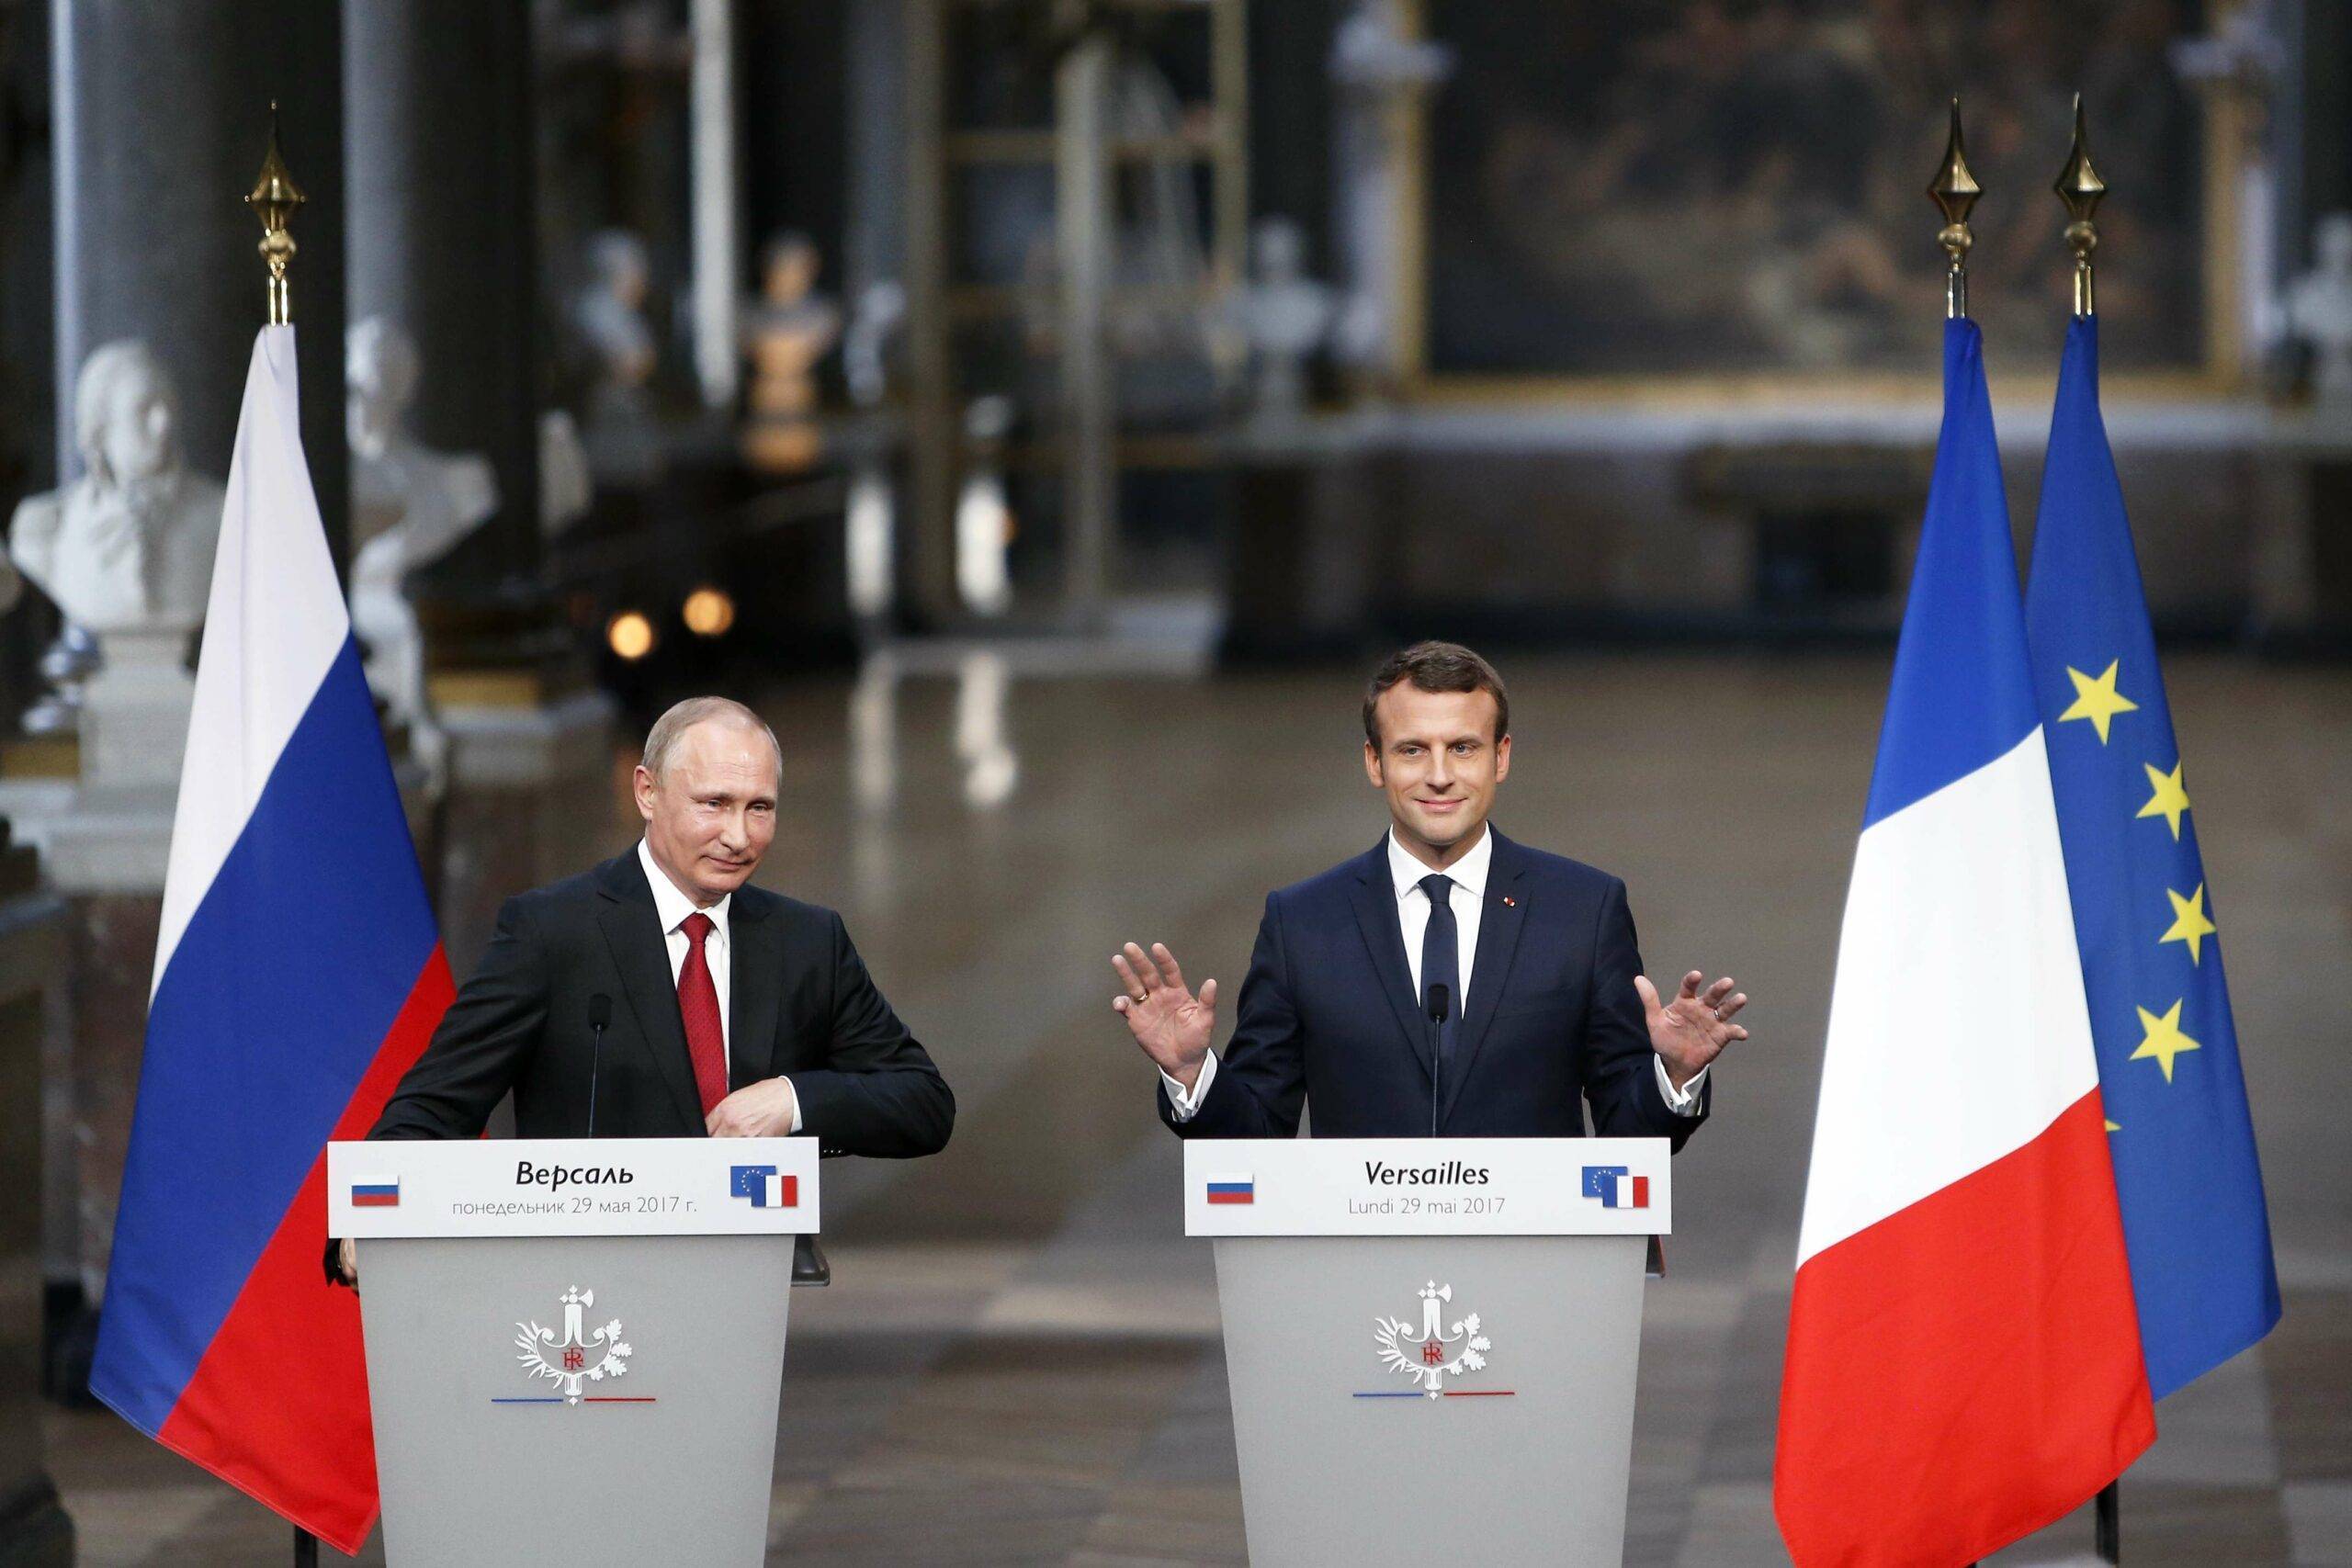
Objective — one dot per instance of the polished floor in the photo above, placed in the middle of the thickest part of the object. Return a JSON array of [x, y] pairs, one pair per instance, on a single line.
[[1019, 1362]]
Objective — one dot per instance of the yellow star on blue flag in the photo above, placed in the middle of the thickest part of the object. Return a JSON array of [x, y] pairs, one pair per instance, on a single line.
[[2187, 1178]]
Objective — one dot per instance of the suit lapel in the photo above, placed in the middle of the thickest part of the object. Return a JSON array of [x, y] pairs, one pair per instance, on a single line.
[[633, 934], [1384, 941], [754, 984], [1501, 918]]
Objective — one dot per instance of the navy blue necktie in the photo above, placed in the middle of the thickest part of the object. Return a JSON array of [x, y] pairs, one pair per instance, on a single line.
[[1442, 959]]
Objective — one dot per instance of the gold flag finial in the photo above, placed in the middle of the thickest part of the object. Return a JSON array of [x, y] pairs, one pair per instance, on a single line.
[[2079, 187], [274, 198], [1956, 190]]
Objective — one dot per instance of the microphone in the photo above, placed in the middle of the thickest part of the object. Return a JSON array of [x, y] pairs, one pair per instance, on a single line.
[[1441, 1008], [600, 1013]]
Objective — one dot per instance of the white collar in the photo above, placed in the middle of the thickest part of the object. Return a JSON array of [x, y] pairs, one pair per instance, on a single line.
[[1469, 873], [671, 905]]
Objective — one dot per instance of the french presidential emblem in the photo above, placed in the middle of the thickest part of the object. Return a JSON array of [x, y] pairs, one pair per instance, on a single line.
[[1430, 1354], [575, 1353]]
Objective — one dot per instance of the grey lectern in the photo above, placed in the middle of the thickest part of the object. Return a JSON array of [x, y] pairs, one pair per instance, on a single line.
[[574, 1346], [1431, 1343]]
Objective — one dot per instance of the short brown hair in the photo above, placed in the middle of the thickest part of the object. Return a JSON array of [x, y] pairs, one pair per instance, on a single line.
[[1435, 667]]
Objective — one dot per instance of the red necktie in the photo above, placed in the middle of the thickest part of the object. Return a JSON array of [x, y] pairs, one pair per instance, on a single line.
[[698, 1011]]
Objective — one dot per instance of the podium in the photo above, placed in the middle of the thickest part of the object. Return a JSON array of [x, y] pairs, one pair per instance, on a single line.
[[1431, 1343], [575, 1346]]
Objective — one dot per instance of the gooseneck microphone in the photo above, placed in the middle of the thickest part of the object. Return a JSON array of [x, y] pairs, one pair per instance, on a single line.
[[600, 1013], [1441, 1008]]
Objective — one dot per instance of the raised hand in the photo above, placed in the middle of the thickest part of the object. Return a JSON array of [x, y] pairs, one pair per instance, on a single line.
[[1173, 1025], [1694, 1029]]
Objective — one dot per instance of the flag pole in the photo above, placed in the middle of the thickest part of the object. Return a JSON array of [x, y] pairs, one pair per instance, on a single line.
[[275, 198], [2079, 187], [1956, 190]]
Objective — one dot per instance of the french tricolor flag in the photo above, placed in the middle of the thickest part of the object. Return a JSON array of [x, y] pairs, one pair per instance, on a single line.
[[298, 974], [1963, 1356]]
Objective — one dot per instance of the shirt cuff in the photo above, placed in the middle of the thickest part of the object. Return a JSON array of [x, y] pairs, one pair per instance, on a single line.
[[1683, 1101], [1185, 1105], [796, 1123]]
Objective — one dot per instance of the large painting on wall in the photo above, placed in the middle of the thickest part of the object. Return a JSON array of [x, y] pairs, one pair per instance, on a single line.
[[1736, 188]]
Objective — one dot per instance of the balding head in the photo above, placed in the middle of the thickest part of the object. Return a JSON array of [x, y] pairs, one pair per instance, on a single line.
[[662, 738], [706, 787]]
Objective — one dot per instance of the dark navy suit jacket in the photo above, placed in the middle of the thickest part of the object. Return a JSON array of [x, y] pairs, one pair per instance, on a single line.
[[1327, 1019]]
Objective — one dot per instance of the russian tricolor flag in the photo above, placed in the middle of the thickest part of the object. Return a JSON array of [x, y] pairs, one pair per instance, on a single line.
[[1232, 1190], [1963, 1357], [298, 974], [376, 1194]]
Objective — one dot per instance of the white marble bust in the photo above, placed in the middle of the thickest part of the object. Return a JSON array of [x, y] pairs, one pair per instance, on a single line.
[[410, 506], [1288, 316], [2319, 308], [128, 547]]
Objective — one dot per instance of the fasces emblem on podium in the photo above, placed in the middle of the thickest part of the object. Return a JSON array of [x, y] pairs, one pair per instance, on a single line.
[[581, 1354], [1422, 1354]]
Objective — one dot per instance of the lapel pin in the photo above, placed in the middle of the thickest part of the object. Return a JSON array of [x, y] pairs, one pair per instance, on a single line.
[[1509, 902]]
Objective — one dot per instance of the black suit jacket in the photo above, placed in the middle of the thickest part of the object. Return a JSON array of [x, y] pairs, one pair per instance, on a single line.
[[801, 1007], [1328, 1018]]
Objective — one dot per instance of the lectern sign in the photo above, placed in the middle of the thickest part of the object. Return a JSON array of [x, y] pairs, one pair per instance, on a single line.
[[572, 1187], [1301, 1187]]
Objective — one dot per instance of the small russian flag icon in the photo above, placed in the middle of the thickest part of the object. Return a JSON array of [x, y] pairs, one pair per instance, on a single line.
[[1240, 1189], [376, 1194]]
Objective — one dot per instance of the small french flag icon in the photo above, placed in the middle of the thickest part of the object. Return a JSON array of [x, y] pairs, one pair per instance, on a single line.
[[1616, 1186], [1243, 1188], [376, 1194]]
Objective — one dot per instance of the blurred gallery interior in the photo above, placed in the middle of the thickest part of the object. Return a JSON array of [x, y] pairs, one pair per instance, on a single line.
[[1045, 412]]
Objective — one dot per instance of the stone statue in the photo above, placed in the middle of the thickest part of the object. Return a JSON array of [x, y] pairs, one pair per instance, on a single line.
[[786, 332], [410, 506], [869, 518], [1378, 68], [1288, 316], [2319, 309], [126, 553], [566, 491], [128, 547], [983, 514], [622, 443]]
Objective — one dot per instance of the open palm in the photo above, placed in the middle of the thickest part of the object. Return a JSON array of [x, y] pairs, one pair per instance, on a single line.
[[1694, 1028], [1173, 1025]]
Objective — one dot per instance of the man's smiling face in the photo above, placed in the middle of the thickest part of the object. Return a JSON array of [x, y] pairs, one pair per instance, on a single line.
[[1439, 761]]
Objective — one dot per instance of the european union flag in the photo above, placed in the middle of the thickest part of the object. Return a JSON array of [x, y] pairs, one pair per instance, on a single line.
[[2194, 1219]]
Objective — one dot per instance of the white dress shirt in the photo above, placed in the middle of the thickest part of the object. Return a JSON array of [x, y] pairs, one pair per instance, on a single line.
[[671, 907], [1467, 900]]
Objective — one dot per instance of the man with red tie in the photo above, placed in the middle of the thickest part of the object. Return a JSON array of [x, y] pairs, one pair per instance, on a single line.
[[661, 995]]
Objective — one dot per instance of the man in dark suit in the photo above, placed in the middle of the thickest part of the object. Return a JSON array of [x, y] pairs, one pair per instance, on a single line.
[[661, 996], [1448, 982]]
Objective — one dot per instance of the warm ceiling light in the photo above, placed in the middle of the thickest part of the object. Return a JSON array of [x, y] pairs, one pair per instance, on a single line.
[[630, 635], [707, 612]]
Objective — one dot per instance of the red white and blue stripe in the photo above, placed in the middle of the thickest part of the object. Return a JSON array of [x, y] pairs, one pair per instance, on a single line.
[[1231, 1188], [298, 974], [1963, 1359], [376, 1194]]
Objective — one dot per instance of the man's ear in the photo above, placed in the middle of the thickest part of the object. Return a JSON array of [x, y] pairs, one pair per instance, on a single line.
[[1372, 766], [641, 787], [1502, 759]]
